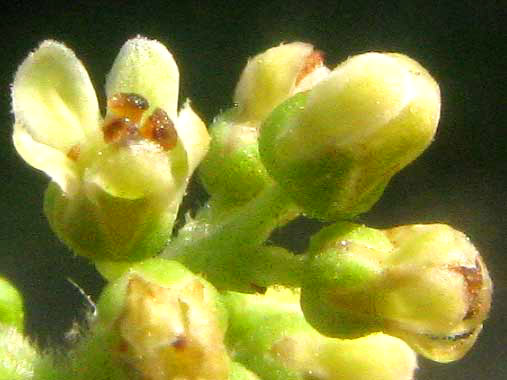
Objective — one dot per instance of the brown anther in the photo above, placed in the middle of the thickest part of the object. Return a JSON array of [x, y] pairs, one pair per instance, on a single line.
[[117, 129], [473, 279], [179, 343], [128, 105], [160, 129], [313, 60], [73, 152]]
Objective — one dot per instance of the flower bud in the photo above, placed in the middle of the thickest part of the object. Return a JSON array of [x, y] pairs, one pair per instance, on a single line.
[[430, 288], [335, 147], [118, 180], [272, 76], [233, 170], [169, 322], [436, 292], [11, 305], [268, 334]]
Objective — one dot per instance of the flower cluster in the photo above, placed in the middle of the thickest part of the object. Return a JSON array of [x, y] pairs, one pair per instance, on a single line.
[[220, 301]]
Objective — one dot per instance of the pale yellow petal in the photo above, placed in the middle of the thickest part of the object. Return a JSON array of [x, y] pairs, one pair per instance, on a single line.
[[193, 135], [132, 172], [53, 162], [145, 67], [53, 97], [358, 97], [269, 78]]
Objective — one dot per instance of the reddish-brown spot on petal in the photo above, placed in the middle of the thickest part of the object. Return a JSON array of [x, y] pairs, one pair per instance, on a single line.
[[73, 152], [313, 60], [160, 128], [128, 105]]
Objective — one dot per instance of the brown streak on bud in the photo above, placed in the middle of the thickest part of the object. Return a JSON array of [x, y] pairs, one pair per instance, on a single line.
[[74, 152], [128, 105], [313, 60], [473, 279], [160, 129]]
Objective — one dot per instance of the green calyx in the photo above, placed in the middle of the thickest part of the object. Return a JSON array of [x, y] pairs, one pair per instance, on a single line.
[[344, 267], [102, 227]]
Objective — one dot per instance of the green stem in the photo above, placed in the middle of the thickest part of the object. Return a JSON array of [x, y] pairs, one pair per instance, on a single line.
[[270, 265], [219, 240]]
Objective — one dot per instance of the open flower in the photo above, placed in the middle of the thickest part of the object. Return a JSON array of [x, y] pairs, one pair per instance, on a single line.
[[117, 180]]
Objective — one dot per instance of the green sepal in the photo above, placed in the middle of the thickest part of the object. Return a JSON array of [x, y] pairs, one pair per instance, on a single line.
[[104, 227], [232, 170], [342, 271]]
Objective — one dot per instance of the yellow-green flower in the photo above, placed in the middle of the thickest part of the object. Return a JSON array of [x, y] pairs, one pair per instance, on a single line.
[[424, 283], [118, 179], [334, 148]]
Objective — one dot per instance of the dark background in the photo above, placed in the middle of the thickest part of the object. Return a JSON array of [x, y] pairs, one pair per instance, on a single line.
[[460, 180]]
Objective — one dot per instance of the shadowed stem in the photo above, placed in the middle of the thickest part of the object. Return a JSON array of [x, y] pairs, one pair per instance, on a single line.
[[220, 239]]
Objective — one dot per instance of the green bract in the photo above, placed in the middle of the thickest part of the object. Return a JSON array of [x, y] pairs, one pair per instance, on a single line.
[[117, 181], [335, 147]]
